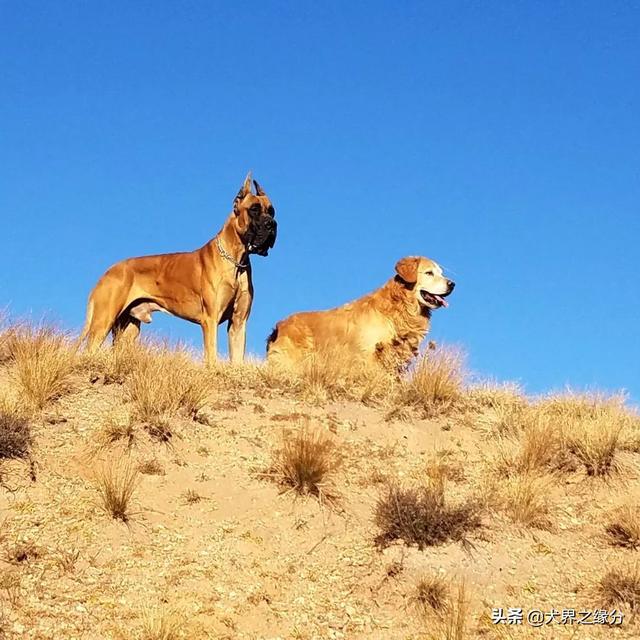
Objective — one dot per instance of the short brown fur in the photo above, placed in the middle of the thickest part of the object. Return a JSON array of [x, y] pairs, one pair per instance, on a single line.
[[204, 286]]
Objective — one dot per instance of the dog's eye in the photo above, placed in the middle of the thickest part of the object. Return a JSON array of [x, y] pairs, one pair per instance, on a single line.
[[428, 273], [271, 211], [255, 208]]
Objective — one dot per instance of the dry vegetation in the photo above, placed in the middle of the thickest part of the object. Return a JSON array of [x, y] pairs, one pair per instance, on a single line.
[[438, 482], [305, 463], [423, 516], [621, 587], [15, 431], [116, 482]]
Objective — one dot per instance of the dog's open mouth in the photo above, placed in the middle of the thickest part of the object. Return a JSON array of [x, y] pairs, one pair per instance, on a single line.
[[433, 299]]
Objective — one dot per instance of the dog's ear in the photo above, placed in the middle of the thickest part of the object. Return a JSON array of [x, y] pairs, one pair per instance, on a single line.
[[245, 190], [259, 189], [407, 269]]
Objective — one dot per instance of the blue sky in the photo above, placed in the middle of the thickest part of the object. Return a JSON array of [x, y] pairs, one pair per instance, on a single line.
[[500, 139]]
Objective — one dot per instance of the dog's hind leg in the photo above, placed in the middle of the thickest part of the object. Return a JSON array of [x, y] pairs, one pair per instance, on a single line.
[[125, 329]]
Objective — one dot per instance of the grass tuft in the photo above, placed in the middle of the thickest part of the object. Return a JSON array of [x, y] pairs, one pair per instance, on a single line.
[[525, 500], [435, 383], [452, 624], [422, 516], [161, 624], [42, 364], [165, 383], [15, 431], [305, 462], [116, 482], [623, 529], [431, 594], [621, 586]]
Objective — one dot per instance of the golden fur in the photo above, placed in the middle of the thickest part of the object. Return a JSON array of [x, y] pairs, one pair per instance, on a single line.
[[386, 326]]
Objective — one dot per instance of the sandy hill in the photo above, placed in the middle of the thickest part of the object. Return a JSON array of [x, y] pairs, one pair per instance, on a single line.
[[146, 497]]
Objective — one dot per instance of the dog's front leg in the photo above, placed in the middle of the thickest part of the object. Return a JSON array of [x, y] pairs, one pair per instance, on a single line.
[[237, 328], [210, 338], [237, 339]]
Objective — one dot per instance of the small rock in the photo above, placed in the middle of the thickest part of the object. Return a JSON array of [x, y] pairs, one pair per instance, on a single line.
[[206, 416]]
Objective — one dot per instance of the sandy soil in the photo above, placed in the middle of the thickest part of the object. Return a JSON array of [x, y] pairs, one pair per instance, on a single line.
[[216, 546]]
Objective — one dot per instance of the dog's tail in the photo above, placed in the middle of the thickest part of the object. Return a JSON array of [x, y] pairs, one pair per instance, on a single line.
[[273, 336], [87, 324]]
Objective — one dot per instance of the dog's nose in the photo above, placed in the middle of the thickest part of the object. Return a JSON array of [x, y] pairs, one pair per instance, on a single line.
[[451, 284]]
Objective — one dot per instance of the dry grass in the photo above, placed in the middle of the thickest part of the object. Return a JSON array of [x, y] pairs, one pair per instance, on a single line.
[[563, 433], [42, 363], [165, 383], [117, 431], [623, 528], [431, 594], [592, 427], [191, 497], [15, 431], [533, 446], [621, 586], [422, 516], [115, 364], [306, 462], [435, 383], [116, 482], [443, 466], [161, 624], [525, 499], [151, 467], [452, 624]]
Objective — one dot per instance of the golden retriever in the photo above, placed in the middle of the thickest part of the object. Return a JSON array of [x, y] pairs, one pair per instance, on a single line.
[[385, 326]]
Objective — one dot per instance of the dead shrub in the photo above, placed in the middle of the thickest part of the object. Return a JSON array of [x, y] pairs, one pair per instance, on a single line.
[[42, 365], [116, 482], [434, 384], [165, 383], [15, 431], [623, 528], [421, 515], [621, 586], [305, 462]]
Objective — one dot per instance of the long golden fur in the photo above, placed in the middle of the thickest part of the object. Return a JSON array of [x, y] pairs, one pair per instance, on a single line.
[[385, 326]]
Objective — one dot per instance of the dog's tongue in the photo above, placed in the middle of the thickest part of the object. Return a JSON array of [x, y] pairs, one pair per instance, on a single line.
[[441, 300]]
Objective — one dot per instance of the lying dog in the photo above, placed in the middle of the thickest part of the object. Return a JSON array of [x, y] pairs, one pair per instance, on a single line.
[[386, 326], [208, 286]]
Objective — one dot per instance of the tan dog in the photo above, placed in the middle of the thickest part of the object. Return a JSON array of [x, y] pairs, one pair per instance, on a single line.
[[386, 326], [207, 286]]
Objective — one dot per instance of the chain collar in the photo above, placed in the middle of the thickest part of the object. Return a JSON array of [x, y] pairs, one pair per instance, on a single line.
[[226, 256]]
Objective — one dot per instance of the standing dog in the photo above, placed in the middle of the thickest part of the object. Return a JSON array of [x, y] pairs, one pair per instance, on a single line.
[[386, 326], [207, 286]]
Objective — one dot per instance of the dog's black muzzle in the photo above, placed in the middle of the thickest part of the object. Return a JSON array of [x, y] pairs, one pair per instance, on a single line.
[[263, 237]]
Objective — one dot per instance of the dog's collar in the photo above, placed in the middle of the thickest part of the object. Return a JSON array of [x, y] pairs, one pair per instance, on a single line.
[[227, 256]]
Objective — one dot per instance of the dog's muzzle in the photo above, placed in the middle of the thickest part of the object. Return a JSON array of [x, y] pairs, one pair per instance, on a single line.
[[264, 237]]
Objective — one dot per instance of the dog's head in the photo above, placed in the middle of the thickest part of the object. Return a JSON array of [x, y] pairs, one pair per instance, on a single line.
[[254, 218], [424, 277]]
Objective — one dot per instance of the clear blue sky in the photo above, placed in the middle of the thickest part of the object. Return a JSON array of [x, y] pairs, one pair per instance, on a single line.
[[501, 139]]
